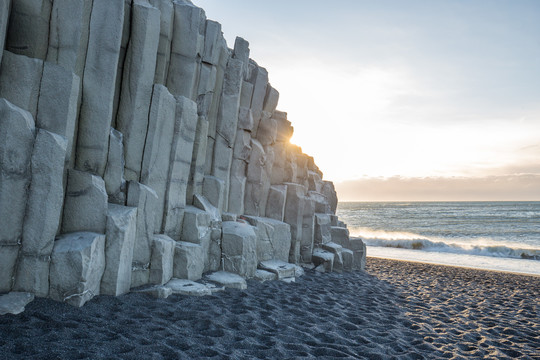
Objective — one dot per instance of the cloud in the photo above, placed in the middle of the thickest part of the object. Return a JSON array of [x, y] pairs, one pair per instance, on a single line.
[[521, 187]]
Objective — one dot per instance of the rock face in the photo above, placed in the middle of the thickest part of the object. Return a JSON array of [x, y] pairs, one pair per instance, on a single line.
[[136, 148]]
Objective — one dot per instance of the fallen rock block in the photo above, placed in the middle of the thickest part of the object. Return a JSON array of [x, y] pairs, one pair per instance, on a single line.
[[227, 279], [156, 291], [77, 265], [359, 249], [324, 258], [14, 302], [188, 287], [281, 269], [335, 249], [323, 233], [273, 238], [188, 261], [239, 248], [161, 262], [340, 235], [263, 275], [348, 259]]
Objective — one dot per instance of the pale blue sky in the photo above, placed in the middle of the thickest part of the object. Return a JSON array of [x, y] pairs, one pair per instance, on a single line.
[[412, 88]]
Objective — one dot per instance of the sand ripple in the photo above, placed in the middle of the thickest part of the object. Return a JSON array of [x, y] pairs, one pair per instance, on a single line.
[[398, 310]]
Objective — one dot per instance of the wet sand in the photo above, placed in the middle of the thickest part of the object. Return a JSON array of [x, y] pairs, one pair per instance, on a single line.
[[395, 309]]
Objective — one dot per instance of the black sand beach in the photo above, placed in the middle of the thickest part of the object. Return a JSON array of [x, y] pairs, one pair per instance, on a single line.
[[395, 309]]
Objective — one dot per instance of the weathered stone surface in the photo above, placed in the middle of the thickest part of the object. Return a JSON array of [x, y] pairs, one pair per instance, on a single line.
[[322, 229], [124, 42], [348, 259], [203, 227], [237, 187], [119, 243], [165, 37], [359, 249], [188, 287], [228, 280], [271, 99], [188, 261], [68, 37], [161, 264], [242, 145], [267, 130], [42, 217], [221, 165], [17, 133], [259, 78], [273, 238], [58, 105], [186, 48], [315, 181], [257, 186], [115, 184], [212, 43], [335, 249], [5, 6], [8, 259], [329, 191], [213, 190], [321, 202], [230, 101], [263, 275], [280, 268], [294, 210], [77, 265], [32, 274], [20, 80], [241, 52], [246, 96], [157, 291], [14, 302], [213, 110], [99, 85], [138, 77], [145, 200], [324, 258], [239, 249], [333, 220], [340, 235], [85, 206], [198, 162], [275, 205], [28, 32], [308, 231], [157, 150], [179, 168]]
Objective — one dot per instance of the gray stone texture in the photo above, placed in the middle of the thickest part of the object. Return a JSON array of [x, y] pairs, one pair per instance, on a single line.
[[322, 229], [77, 265], [115, 183], [340, 235], [239, 248], [43, 211], [180, 163], [14, 302], [99, 83], [5, 6], [68, 37], [198, 162], [85, 205], [157, 149], [329, 191], [20, 80], [145, 200], [241, 52], [165, 38], [273, 238], [58, 107], [259, 79], [237, 187], [308, 231], [294, 216], [137, 81], [275, 205], [28, 32], [188, 261], [161, 264], [119, 243]]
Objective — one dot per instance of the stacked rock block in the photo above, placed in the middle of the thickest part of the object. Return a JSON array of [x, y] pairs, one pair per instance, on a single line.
[[135, 146]]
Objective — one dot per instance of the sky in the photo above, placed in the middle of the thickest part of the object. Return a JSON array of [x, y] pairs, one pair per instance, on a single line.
[[437, 95]]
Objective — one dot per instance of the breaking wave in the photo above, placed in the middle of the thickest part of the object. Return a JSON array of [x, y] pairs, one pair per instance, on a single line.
[[479, 246]]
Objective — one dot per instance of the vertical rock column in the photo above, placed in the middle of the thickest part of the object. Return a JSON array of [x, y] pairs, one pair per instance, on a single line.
[[28, 32], [16, 144], [138, 77], [165, 37], [5, 6], [227, 124], [99, 85], [43, 210]]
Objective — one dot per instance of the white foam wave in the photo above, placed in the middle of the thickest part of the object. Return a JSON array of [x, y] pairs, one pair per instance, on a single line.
[[481, 246]]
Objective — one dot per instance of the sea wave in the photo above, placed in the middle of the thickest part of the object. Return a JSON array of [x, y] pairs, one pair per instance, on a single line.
[[479, 246]]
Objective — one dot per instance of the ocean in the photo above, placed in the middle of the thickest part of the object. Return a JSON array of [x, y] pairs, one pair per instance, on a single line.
[[502, 236]]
